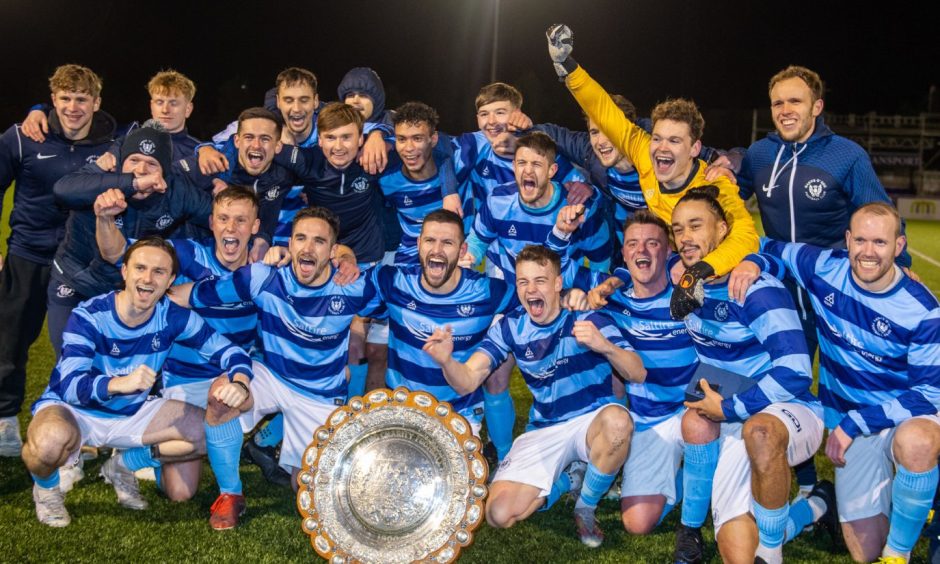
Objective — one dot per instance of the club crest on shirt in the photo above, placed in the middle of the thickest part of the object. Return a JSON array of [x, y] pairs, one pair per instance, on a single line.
[[465, 310], [337, 305], [64, 291], [881, 326], [721, 311], [165, 221], [272, 193], [155, 343], [815, 189], [360, 184]]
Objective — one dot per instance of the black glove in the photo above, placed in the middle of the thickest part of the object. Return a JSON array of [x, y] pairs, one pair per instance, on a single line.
[[689, 293]]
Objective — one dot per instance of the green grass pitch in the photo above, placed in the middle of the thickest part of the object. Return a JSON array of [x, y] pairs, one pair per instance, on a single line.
[[270, 531]]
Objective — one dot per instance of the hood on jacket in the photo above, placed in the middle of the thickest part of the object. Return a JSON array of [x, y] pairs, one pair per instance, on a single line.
[[366, 81]]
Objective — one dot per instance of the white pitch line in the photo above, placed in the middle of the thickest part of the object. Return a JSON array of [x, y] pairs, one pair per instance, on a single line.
[[924, 257]]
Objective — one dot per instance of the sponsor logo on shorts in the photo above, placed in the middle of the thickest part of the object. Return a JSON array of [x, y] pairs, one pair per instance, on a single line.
[[881, 326], [796, 422], [505, 464], [815, 189]]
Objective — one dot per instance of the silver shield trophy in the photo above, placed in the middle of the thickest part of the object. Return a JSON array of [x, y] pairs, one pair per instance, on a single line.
[[392, 477]]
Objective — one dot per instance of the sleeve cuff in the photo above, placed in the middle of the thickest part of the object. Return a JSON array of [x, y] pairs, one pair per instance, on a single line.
[[849, 426]]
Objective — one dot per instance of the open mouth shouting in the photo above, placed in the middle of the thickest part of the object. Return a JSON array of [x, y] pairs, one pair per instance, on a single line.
[[663, 163], [535, 305], [230, 245], [643, 263], [255, 159], [297, 121], [306, 266], [144, 292]]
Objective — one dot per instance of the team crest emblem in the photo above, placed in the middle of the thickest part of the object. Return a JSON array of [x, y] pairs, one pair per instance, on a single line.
[[881, 326], [337, 305], [815, 189], [407, 201], [164, 221], [512, 230], [271, 194], [115, 350], [465, 310], [64, 291], [721, 311], [650, 193], [360, 184], [830, 299], [147, 147], [155, 343]]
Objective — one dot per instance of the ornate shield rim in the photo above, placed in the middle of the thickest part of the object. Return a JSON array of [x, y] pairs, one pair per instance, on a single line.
[[323, 541]]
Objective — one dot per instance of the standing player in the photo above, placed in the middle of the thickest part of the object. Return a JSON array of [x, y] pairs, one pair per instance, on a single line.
[[879, 380], [425, 297], [566, 361], [98, 392], [79, 132], [162, 202], [765, 429], [666, 162]]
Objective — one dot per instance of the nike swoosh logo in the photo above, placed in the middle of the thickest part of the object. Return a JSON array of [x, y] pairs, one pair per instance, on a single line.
[[40, 156]]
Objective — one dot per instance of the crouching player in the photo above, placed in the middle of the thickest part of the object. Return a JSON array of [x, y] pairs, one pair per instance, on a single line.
[[114, 347], [565, 358]]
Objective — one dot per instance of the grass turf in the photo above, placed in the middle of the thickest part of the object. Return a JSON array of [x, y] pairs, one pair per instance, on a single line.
[[270, 531]]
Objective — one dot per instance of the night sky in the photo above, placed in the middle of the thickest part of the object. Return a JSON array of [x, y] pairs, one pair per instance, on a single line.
[[439, 51]]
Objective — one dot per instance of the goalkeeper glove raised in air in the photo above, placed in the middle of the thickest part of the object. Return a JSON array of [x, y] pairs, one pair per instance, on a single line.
[[560, 44], [689, 293]]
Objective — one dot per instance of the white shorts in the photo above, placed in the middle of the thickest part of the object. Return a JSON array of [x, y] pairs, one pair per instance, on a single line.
[[863, 485], [302, 414], [731, 489], [194, 393], [115, 432], [538, 457], [377, 333], [655, 456]]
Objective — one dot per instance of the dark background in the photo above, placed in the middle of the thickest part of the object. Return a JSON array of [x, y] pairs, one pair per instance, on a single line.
[[439, 51]]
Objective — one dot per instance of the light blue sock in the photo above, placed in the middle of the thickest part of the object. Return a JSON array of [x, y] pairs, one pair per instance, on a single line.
[[158, 476], [224, 445], [771, 524], [357, 380], [801, 515], [595, 485], [500, 415], [139, 457], [48, 482], [272, 433], [669, 506], [561, 486], [911, 498], [700, 463]]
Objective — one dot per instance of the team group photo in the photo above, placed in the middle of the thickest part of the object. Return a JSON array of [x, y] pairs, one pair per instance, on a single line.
[[665, 350]]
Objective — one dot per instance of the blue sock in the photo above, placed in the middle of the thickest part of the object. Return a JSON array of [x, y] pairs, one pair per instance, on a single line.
[[596, 484], [158, 476], [669, 506], [139, 457], [801, 515], [500, 415], [700, 463], [224, 445], [911, 498], [272, 433], [357, 380], [49, 482], [561, 486], [771, 524]]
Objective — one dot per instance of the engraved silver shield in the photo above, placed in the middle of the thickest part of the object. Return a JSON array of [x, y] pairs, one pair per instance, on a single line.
[[394, 476]]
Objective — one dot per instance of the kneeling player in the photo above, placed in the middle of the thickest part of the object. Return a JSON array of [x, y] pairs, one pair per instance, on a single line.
[[115, 345], [565, 358]]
